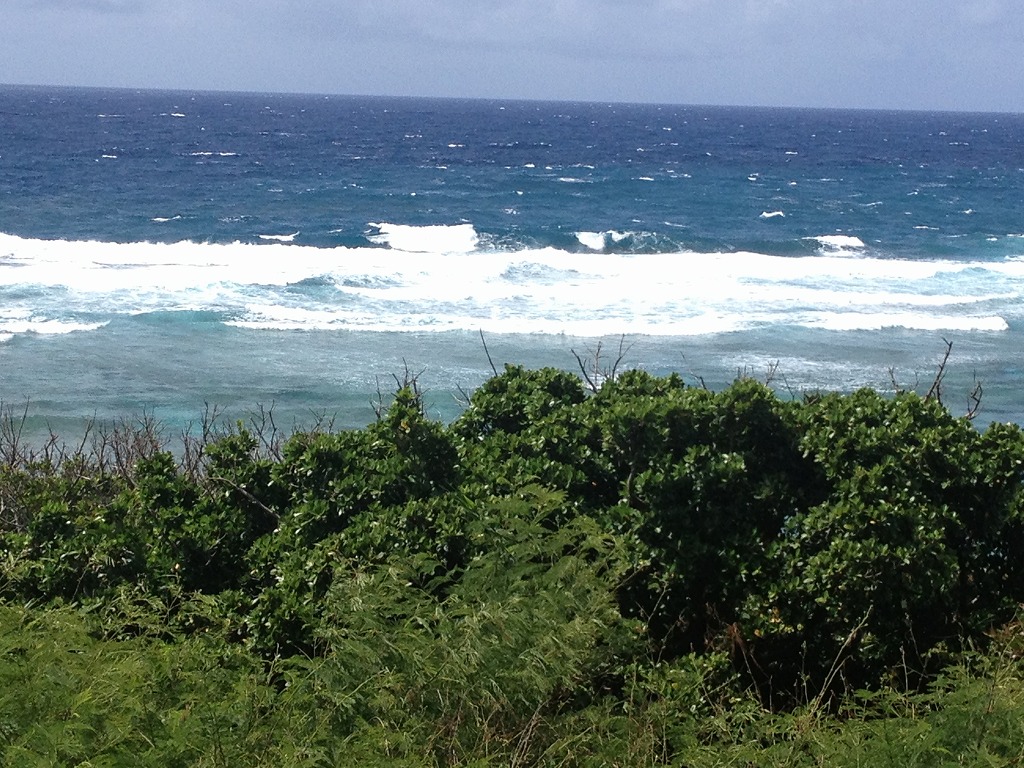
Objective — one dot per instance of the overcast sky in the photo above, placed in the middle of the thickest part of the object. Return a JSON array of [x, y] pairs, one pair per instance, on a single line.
[[910, 54]]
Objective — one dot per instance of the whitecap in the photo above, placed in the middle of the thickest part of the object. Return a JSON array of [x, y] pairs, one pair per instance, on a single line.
[[772, 214], [280, 238], [457, 238], [47, 327], [596, 241], [838, 243], [593, 241]]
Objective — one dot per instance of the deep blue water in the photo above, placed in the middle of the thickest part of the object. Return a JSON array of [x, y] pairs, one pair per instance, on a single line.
[[164, 250]]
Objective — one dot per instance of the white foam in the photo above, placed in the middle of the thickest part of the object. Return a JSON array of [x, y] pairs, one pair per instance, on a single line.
[[598, 241], [280, 238], [457, 238], [592, 240], [45, 327], [835, 243], [772, 214], [65, 286], [877, 321]]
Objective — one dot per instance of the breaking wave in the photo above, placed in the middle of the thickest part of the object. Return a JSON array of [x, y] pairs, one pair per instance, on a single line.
[[439, 279]]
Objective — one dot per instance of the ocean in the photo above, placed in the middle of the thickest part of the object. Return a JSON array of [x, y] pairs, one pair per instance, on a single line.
[[164, 252]]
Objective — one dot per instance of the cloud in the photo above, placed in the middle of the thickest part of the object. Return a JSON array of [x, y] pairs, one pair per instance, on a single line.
[[916, 53], [984, 12], [104, 6]]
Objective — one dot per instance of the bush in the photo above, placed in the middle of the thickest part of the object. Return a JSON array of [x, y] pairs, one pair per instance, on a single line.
[[643, 573]]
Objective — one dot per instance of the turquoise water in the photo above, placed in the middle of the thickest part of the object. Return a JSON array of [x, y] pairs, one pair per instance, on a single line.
[[161, 251]]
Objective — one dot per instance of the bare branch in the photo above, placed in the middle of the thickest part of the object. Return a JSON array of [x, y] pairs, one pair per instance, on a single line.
[[594, 371], [378, 404], [12, 428], [245, 492], [591, 384], [322, 423], [487, 352], [266, 431], [935, 391], [974, 400], [408, 380], [896, 388], [623, 351], [463, 398]]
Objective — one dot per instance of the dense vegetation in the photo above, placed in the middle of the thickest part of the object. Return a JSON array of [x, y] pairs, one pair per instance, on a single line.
[[643, 573]]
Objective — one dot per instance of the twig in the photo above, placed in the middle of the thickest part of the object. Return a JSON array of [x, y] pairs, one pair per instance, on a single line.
[[623, 350], [974, 399], [245, 492], [936, 388], [463, 398], [840, 659], [487, 352], [583, 368]]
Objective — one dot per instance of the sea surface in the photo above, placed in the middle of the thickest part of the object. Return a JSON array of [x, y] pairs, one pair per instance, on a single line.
[[161, 252]]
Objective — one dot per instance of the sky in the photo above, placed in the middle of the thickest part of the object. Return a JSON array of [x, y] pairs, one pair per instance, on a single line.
[[965, 55]]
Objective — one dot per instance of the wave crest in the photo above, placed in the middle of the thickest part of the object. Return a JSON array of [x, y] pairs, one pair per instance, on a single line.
[[63, 286], [456, 238]]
